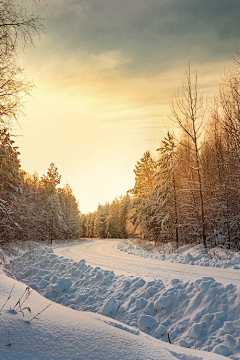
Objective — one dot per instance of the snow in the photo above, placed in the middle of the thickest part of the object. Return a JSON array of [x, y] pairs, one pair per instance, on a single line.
[[222, 350], [61, 333], [200, 314], [187, 254], [111, 307], [106, 254], [147, 323]]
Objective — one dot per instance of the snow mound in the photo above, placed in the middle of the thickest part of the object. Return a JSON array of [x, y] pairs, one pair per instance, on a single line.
[[110, 308], [147, 323]]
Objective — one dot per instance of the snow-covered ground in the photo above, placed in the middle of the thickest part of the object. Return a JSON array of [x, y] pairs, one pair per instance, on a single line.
[[61, 333], [200, 313], [106, 254]]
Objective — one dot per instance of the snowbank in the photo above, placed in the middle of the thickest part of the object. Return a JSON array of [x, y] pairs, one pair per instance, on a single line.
[[188, 254], [202, 314], [61, 333]]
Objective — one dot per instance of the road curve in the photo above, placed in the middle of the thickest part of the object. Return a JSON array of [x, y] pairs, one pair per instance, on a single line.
[[104, 253]]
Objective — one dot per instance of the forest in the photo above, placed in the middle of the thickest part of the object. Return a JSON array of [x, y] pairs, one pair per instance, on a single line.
[[190, 192]]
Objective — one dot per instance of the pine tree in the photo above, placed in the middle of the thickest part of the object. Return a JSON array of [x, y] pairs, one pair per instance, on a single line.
[[100, 222], [53, 212], [125, 205], [140, 214], [10, 185], [113, 220], [71, 213], [164, 196]]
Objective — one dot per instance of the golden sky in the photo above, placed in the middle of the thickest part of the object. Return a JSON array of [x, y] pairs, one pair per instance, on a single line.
[[105, 73]]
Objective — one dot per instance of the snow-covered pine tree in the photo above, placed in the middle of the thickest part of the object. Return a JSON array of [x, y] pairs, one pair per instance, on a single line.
[[164, 197], [113, 220], [29, 208], [140, 214], [100, 222], [89, 225], [54, 217], [10, 185], [71, 213], [125, 205]]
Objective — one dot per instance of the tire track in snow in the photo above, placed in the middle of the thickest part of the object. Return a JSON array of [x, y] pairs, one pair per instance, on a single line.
[[104, 253]]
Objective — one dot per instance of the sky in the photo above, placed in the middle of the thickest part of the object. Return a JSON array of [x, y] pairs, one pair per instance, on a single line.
[[105, 73]]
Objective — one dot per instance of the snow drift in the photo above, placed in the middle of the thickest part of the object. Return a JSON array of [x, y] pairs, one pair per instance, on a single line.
[[61, 333]]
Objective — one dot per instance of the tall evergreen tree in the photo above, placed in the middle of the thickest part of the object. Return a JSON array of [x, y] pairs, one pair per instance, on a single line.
[[164, 196], [53, 210], [10, 185], [140, 215]]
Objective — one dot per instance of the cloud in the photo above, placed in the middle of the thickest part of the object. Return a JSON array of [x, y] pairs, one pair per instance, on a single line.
[[109, 60], [131, 53], [154, 34]]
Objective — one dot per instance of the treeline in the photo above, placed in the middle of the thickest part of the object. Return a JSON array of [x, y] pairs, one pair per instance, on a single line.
[[191, 191], [109, 220], [31, 207]]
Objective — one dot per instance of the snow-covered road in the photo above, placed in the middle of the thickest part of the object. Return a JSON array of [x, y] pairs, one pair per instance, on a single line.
[[104, 253]]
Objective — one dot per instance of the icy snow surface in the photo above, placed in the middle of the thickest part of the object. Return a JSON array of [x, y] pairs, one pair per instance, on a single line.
[[198, 313]]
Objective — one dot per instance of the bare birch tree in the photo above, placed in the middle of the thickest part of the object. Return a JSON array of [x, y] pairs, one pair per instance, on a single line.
[[188, 113]]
